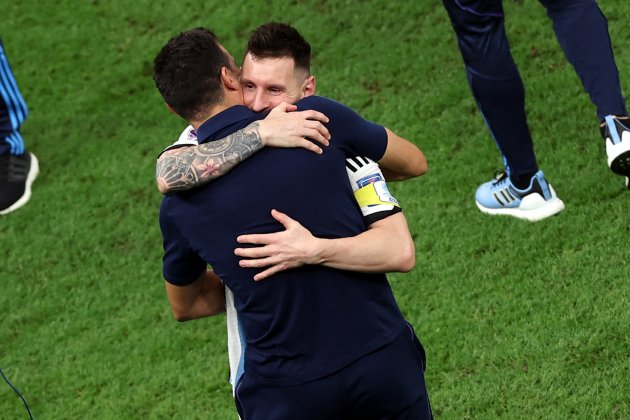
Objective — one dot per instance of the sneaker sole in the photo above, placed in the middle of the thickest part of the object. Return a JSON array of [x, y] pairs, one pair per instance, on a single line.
[[32, 174], [619, 158], [621, 164], [552, 207]]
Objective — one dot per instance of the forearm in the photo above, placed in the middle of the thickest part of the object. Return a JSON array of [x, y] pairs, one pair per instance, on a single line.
[[205, 297], [402, 159], [211, 300], [391, 176], [190, 167], [386, 246], [193, 166]]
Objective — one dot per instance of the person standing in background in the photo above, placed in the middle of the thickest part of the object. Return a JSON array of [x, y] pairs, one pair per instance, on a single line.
[[522, 191]]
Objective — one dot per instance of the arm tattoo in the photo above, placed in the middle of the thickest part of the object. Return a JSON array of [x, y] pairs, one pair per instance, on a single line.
[[190, 167]]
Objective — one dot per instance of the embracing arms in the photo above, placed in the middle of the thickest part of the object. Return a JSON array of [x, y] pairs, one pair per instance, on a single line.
[[189, 167], [386, 246]]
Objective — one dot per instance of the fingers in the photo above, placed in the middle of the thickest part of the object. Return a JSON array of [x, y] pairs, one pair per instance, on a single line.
[[289, 107], [316, 116], [305, 144], [274, 266], [256, 238], [317, 131], [312, 129], [283, 107], [264, 238], [311, 136], [267, 273], [317, 125], [258, 252], [303, 129], [310, 124], [258, 262], [285, 220]]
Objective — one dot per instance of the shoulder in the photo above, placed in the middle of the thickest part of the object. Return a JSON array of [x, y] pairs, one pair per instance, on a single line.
[[341, 116], [353, 133], [322, 104]]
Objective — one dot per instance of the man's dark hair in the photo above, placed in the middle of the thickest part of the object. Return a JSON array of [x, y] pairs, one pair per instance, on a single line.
[[280, 40], [187, 72]]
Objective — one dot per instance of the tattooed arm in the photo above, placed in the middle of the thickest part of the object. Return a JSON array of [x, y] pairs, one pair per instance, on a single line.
[[189, 167]]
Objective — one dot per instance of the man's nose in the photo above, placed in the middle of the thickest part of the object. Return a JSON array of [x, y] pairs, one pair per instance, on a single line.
[[260, 102]]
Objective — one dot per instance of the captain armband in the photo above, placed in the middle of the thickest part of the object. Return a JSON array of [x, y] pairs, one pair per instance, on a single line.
[[370, 190]]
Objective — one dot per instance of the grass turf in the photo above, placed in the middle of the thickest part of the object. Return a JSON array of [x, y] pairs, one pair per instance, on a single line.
[[519, 320]]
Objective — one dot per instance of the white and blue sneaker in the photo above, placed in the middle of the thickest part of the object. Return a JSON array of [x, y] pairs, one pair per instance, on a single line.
[[501, 197], [617, 137]]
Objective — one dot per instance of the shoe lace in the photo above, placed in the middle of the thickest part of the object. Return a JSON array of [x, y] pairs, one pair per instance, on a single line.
[[500, 177]]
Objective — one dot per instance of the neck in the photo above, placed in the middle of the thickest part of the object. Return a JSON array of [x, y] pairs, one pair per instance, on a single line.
[[229, 100], [214, 111]]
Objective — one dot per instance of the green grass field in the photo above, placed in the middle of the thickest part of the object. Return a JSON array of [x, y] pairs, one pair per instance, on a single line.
[[519, 320]]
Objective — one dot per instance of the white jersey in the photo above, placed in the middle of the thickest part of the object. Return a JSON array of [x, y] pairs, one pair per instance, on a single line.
[[188, 137], [235, 340]]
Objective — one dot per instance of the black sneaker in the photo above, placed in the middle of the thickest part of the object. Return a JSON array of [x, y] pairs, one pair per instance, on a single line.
[[17, 173]]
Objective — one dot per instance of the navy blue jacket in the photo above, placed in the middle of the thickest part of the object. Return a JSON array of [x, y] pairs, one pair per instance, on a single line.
[[299, 324]]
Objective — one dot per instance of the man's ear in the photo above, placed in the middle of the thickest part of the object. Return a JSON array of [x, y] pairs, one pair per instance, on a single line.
[[309, 86], [229, 79]]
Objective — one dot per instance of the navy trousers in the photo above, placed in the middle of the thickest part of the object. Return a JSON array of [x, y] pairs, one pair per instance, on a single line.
[[13, 110], [385, 384], [582, 31]]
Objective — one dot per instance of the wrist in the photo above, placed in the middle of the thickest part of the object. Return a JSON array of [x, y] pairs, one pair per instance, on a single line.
[[323, 251], [262, 130]]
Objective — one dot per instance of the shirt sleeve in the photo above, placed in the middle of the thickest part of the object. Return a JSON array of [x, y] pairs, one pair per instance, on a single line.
[[349, 130], [180, 264]]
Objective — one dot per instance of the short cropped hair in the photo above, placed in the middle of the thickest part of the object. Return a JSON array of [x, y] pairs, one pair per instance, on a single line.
[[187, 72], [280, 40]]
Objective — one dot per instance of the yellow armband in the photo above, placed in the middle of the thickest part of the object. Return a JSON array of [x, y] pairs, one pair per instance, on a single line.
[[374, 194]]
